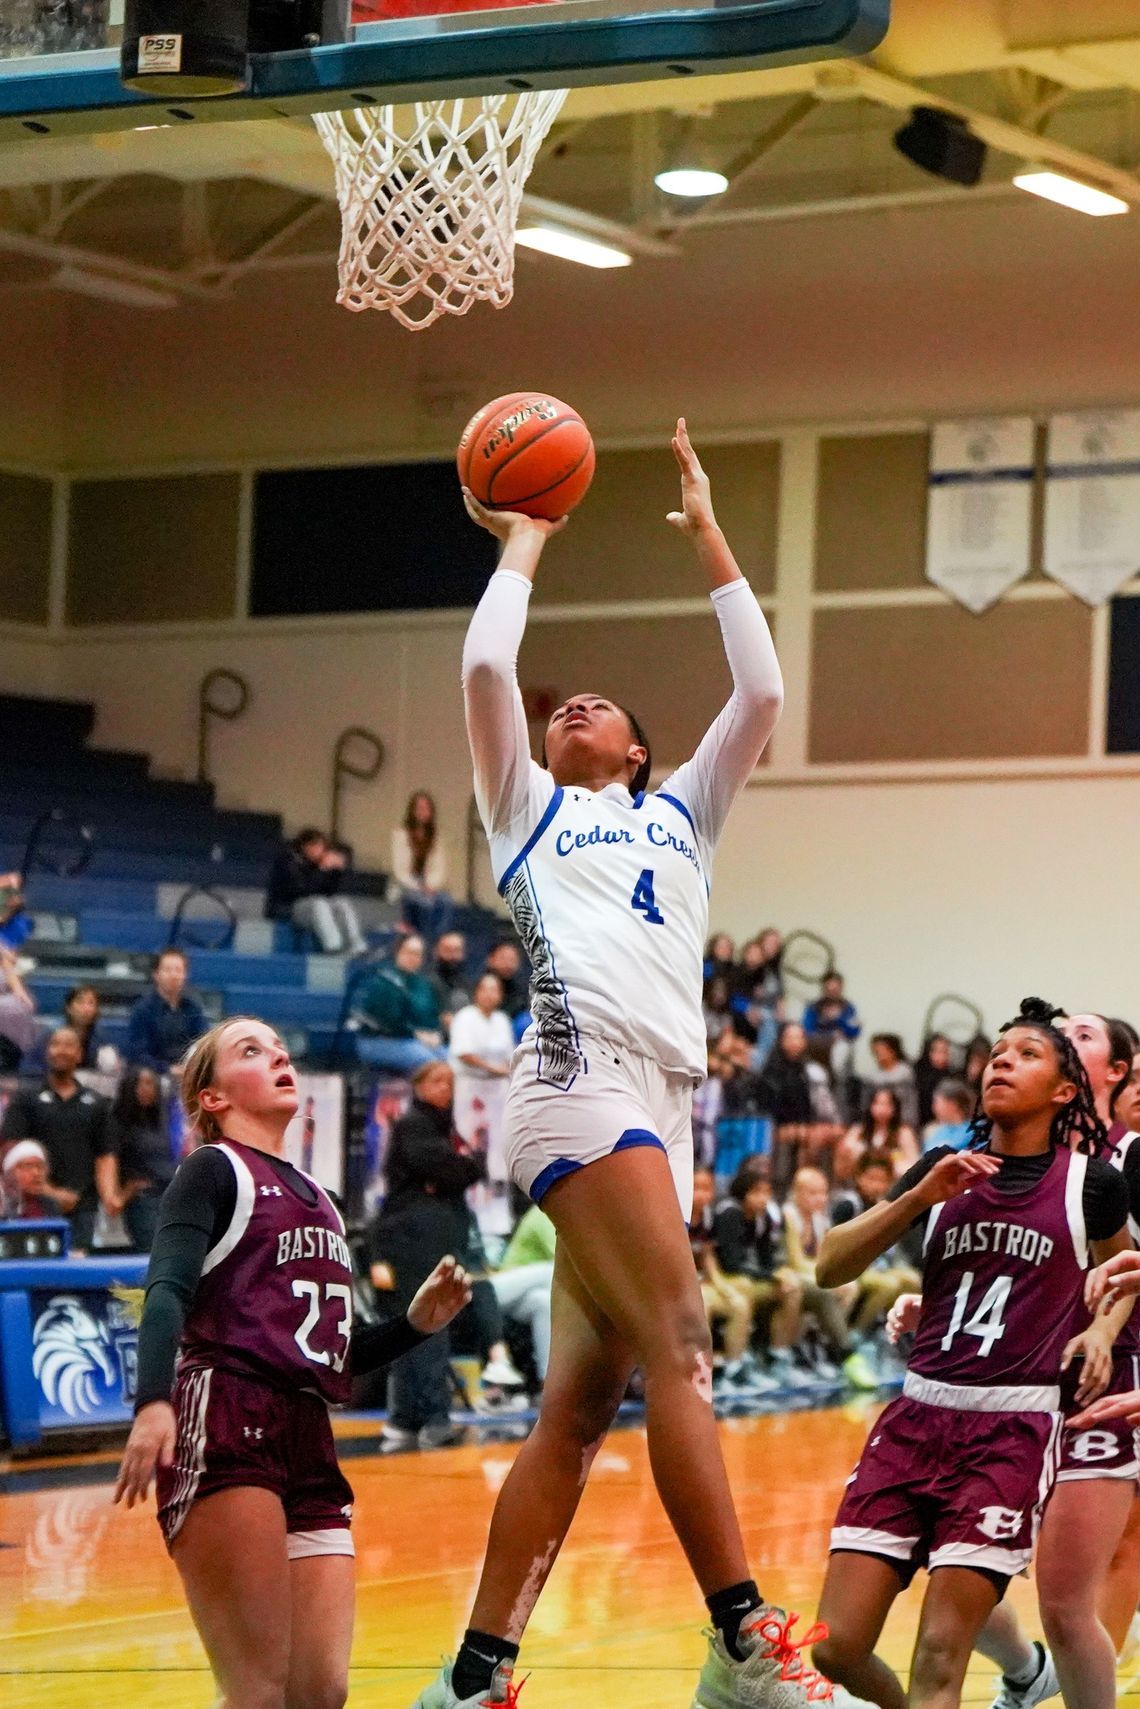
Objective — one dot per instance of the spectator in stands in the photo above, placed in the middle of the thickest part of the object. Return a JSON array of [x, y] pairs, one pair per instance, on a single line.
[[831, 1016], [881, 1133], [807, 1121], [16, 923], [749, 1251], [482, 1044], [419, 869], [449, 977], [142, 1145], [757, 994], [720, 957], [935, 1062], [745, 1093], [708, 1104], [423, 1218], [717, 1006], [81, 1010], [164, 1024], [71, 1123], [954, 1106], [806, 1221], [504, 959], [398, 1016], [24, 1191], [726, 1307], [522, 1281], [897, 1271], [18, 1028], [304, 882], [892, 1069]]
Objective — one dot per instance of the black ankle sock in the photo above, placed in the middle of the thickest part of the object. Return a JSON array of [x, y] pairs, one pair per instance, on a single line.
[[729, 1607], [479, 1656]]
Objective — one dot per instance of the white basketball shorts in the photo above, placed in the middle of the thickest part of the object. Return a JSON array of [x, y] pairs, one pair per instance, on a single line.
[[618, 1100]]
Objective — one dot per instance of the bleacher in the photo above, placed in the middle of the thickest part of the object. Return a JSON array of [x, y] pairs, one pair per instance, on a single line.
[[153, 839]]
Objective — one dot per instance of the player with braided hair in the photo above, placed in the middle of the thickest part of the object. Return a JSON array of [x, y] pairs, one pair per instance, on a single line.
[[957, 1470]]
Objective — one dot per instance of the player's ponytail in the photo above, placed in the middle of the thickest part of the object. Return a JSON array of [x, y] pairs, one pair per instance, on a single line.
[[197, 1076]]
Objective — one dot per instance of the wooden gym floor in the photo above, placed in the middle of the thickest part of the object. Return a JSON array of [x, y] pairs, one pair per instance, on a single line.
[[90, 1611]]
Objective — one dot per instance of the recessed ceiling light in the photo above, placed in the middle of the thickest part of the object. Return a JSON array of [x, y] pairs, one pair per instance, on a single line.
[[691, 181], [1073, 193], [569, 246]]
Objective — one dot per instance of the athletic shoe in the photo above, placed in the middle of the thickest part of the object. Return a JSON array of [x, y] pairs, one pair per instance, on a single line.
[[439, 1695], [860, 1372], [841, 1698], [787, 1373], [772, 1675], [502, 1374], [1043, 1684], [442, 1435], [395, 1440]]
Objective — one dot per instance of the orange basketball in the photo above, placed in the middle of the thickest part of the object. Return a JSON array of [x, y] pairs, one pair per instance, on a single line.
[[527, 452]]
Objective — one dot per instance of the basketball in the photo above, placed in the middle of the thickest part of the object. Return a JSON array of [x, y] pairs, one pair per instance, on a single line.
[[527, 452]]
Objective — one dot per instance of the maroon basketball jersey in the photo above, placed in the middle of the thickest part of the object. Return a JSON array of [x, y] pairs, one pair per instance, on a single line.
[[1127, 1343], [275, 1294], [1001, 1274]]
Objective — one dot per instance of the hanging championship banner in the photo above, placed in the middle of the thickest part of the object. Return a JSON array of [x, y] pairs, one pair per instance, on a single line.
[[978, 508], [1092, 502]]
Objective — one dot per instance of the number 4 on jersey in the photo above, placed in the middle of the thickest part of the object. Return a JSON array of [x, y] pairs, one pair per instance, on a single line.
[[644, 900]]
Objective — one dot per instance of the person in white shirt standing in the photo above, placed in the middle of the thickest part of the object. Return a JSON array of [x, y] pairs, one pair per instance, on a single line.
[[608, 889], [481, 1045]]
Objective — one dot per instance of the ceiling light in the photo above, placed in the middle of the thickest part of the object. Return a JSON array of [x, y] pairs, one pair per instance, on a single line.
[[1070, 192], [111, 290], [569, 246], [691, 181], [942, 144]]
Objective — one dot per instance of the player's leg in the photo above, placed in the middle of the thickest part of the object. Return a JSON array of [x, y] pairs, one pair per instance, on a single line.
[[856, 1599], [957, 1603], [1083, 1524], [322, 1597], [1121, 1589], [1025, 1666], [231, 1555]]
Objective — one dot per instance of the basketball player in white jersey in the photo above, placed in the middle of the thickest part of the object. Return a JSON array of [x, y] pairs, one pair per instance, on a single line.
[[608, 888]]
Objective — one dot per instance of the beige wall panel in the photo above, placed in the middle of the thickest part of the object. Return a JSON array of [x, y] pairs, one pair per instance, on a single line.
[[871, 520], [157, 550], [34, 336], [25, 548], [619, 546], [28, 666], [935, 683], [670, 671]]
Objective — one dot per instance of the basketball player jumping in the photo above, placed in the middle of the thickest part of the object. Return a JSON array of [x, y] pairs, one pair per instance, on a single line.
[[956, 1471], [608, 887], [250, 1286]]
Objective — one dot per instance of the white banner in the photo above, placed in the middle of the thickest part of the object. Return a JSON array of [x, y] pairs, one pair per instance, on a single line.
[[978, 510], [314, 1139], [1092, 502]]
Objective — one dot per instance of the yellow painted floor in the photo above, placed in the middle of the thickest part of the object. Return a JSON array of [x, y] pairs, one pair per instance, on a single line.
[[90, 1611]]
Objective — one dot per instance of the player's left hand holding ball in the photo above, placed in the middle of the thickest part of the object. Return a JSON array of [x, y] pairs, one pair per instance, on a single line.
[[1111, 1282], [150, 1444], [444, 1294]]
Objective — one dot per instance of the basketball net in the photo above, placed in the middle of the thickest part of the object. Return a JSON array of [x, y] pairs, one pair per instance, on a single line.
[[429, 196]]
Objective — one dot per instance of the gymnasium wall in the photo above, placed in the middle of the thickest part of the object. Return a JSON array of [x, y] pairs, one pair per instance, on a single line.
[[937, 800]]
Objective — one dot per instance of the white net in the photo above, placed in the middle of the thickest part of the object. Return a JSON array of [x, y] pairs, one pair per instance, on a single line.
[[429, 196]]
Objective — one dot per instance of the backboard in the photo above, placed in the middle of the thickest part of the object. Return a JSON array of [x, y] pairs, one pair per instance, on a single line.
[[404, 50]]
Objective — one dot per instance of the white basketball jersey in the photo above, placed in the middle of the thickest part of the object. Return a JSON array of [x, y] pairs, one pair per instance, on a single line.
[[609, 895]]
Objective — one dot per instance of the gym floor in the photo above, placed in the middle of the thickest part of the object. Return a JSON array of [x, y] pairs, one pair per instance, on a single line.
[[91, 1611]]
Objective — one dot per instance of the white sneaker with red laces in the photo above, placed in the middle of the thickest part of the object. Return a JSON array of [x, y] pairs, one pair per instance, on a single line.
[[773, 1674]]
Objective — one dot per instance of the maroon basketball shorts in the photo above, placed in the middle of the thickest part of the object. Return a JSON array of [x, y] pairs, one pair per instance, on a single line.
[[1109, 1451], [940, 1486], [234, 1431]]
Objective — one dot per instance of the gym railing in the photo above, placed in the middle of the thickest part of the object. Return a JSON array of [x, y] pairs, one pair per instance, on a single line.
[[37, 859], [346, 764], [180, 937], [210, 706]]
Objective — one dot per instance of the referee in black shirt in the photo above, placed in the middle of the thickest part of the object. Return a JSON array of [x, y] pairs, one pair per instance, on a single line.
[[72, 1124]]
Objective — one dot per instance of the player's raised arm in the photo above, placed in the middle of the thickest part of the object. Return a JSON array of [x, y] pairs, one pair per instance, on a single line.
[[710, 782], [496, 719]]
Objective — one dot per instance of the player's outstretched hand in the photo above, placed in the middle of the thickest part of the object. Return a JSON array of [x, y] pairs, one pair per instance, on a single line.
[[1106, 1411], [506, 524], [1094, 1347], [902, 1319], [954, 1174], [444, 1294], [150, 1444], [696, 515], [1109, 1283]]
